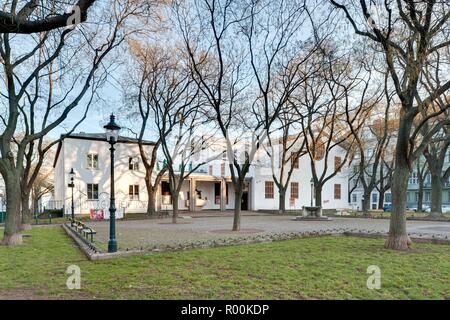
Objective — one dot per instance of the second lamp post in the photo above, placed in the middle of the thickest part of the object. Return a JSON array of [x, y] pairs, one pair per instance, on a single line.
[[112, 135], [72, 185]]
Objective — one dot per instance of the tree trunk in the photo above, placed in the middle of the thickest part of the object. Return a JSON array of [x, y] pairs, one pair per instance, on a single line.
[[237, 207], [26, 212], [35, 206], [318, 195], [175, 207], [11, 233], [398, 238], [436, 196], [381, 193], [282, 201], [366, 204], [151, 206], [420, 197]]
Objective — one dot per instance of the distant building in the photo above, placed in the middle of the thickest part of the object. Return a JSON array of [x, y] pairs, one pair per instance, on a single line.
[[89, 156]]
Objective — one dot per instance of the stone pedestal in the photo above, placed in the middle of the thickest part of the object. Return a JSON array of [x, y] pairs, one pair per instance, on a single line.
[[312, 214]]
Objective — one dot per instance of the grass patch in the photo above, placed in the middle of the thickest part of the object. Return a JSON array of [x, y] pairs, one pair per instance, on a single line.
[[314, 268]]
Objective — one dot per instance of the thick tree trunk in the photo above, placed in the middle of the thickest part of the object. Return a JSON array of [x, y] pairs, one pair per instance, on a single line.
[[398, 238], [381, 193], [151, 206], [11, 232], [175, 207], [282, 201], [318, 196], [26, 212], [237, 207], [436, 196], [366, 204]]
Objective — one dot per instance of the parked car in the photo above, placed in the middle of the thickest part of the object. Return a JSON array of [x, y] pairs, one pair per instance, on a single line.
[[414, 208]]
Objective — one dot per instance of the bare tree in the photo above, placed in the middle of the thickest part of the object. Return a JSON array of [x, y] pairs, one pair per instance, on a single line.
[[289, 148], [280, 64], [436, 154], [323, 104], [372, 141], [23, 72], [43, 185], [217, 67], [152, 67], [422, 172], [408, 33], [170, 97]]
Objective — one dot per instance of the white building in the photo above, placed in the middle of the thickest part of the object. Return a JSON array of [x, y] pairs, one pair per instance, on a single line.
[[88, 155]]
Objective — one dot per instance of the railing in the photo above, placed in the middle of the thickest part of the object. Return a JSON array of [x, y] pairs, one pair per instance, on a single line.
[[52, 205]]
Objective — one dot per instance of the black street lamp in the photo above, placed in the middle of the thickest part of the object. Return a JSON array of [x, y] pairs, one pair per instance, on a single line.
[[112, 134], [72, 185], [312, 190]]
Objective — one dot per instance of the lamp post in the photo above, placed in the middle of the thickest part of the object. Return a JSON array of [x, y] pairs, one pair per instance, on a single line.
[[112, 134], [72, 185], [312, 191]]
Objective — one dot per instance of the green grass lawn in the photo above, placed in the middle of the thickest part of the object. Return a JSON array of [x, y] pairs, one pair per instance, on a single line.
[[314, 268]]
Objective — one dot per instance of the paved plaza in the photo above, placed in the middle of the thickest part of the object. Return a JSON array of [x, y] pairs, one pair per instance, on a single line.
[[133, 234]]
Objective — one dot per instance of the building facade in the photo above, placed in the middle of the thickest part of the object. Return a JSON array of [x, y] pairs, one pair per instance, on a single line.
[[89, 156], [210, 183]]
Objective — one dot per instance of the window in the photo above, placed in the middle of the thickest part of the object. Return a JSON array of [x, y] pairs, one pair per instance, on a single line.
[[92, 161], [210, 170], [413, 179], [374, 197], [388, 197], [337, 163], [354, 198], [92, 191], [222, 169], [133, 192], [268, 190], [294, 161], [427, 196], [337, 191], [294, 190], [133, 163]]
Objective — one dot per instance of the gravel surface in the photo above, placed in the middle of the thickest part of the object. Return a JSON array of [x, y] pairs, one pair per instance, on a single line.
[[146, 233]]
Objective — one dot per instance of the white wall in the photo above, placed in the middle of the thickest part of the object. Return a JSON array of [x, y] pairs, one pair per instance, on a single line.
[[74, 152], [73, 155], [303, 176]]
